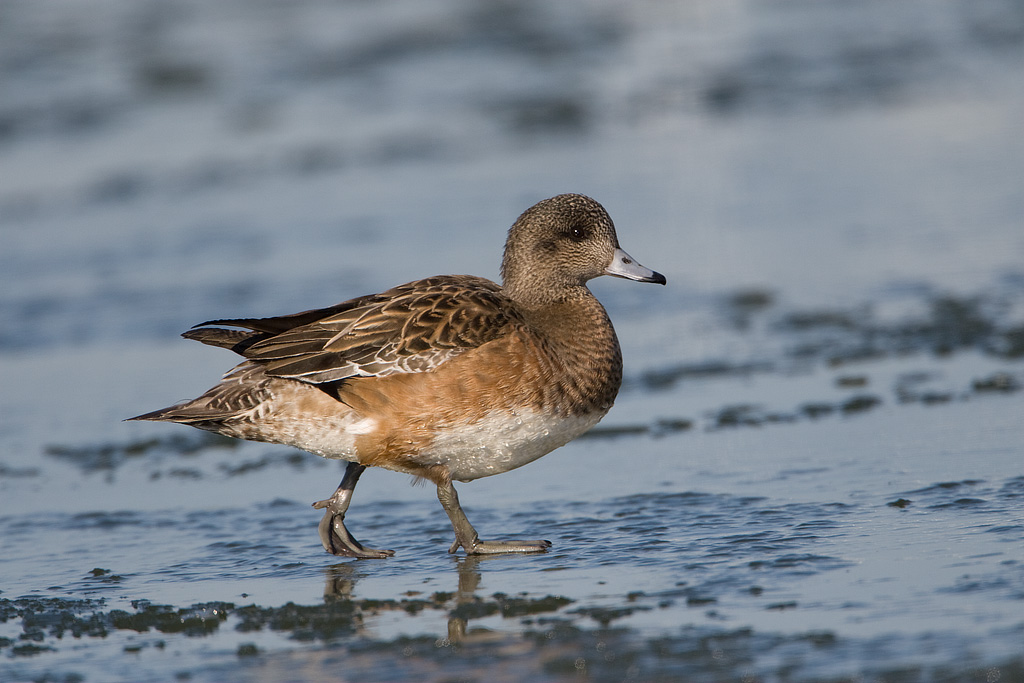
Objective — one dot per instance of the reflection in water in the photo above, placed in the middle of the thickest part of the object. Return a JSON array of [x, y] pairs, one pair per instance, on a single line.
[[469, 581], [340, 580]]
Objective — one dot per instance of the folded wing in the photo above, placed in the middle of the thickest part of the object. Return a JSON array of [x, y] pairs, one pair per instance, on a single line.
[[412, 328]]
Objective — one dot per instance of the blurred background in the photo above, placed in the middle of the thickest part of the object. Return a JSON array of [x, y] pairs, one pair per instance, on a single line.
[[170, 161], [823, 182]]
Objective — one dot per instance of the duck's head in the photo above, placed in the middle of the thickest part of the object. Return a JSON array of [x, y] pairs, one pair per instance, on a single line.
[[558, 244]]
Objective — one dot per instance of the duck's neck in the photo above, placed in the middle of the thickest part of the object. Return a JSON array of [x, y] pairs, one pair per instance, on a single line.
[[580, 336]]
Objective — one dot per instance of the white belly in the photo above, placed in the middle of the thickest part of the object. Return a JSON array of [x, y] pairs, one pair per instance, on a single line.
[[496, 443], [500, 442]]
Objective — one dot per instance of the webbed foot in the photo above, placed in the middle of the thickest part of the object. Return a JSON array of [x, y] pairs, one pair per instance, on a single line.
[[466, 536], [337, 539], [334, 536], [478, 547]]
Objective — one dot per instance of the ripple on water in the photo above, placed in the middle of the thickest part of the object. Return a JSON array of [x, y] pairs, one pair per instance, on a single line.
[[973, 495]]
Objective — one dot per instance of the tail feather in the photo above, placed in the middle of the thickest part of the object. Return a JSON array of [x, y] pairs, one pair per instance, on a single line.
[[242, 390], [283, 323], [236, 340], [155, 416], [238, 393], [182, 412]]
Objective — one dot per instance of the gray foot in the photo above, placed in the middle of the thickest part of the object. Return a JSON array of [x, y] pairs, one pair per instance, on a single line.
[[478, 547], [466, 536], [337, 540], [334, 536]]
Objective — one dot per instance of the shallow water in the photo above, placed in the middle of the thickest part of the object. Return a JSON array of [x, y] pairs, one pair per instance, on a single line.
[[815, 469]]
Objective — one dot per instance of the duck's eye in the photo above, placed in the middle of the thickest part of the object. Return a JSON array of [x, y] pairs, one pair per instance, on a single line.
[[579, 233]]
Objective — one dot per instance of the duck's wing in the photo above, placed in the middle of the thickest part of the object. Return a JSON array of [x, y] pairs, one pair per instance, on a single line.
[[412, 328]]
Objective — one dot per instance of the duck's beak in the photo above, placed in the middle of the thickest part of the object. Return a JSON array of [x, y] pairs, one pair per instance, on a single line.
[[623, 265]]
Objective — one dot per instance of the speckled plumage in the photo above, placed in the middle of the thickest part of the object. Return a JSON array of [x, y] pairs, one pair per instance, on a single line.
[[450, 377]]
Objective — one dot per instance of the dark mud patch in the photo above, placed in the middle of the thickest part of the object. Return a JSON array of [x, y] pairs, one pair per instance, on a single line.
[[110, 456], [782, 72], [667, 378], [579, 645], [909, 388], [160, 455], [51, 619], [735, 416], [659, 428], [948, 324], [7, 472], [937, 324], [1000, 382], [292, 459]]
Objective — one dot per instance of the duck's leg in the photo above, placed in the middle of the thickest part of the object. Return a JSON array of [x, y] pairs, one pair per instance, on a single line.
[[466, 536], [333, 534]]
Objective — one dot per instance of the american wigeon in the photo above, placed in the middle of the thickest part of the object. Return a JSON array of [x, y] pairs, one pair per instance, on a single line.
[[448, 378]]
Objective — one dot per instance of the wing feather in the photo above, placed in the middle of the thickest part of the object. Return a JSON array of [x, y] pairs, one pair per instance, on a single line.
[[412, 328]]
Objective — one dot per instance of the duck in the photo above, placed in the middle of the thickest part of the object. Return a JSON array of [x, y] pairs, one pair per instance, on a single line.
[[448, 378]]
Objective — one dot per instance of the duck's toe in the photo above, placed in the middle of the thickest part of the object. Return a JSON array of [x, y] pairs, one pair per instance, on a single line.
[[337, 540], [478, 547]]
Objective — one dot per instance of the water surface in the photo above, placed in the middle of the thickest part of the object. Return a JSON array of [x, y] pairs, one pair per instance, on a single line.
[[815, 469]]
